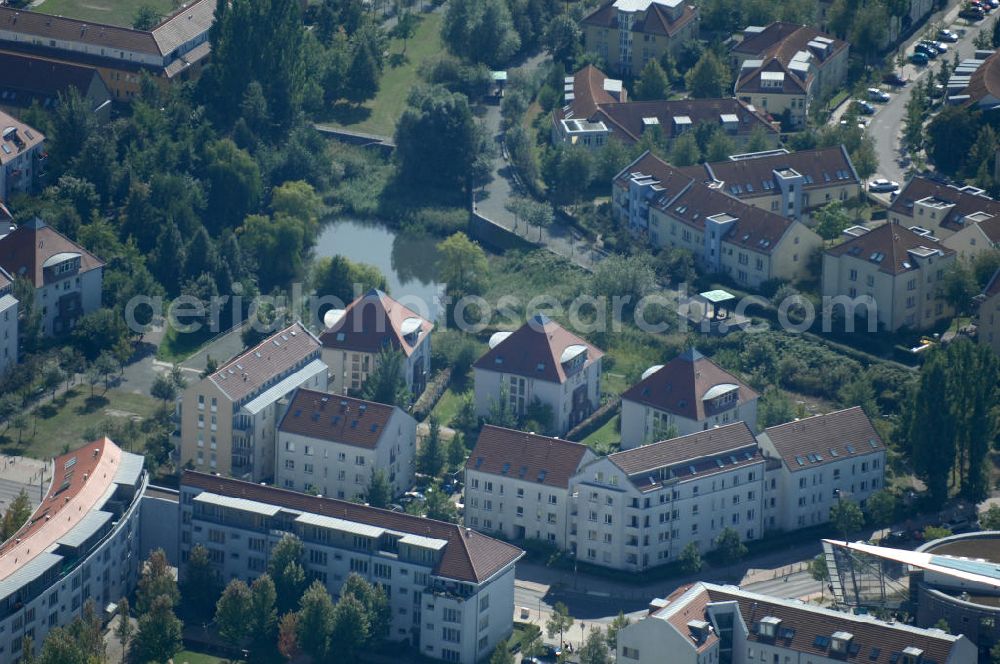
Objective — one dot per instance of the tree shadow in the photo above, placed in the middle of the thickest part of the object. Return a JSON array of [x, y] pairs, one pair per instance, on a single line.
[[346, 113], [398, 59], [92, 404], [47, 411]]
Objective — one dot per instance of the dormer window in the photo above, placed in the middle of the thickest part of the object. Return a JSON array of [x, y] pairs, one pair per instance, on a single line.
[[911, 655], [840, 642], [768, 627]]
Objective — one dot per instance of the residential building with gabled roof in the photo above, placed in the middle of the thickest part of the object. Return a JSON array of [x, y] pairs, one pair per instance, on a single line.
[[540, 361], [893, 272], [988, 316], [826, 175], [975, 239], [704, 622], [942, 209], [596, 109], [27, 79], [824, 459], [354, 337], [517, 484], [229, 419], [450, 589], [668, 208], [783, 62], [8, 323], [68, 279], [627, 34], [690, 393], [332, 444], [22, 153]]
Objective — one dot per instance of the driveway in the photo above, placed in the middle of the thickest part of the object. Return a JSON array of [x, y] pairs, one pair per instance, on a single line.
[[887, 124]]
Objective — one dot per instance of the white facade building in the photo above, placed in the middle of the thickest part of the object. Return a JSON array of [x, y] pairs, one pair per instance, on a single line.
[[82, 543], [450, 589], [517, 484], [332, 444], [67, 278], [824, 459], [8, 323], [688, 394], [706, 623], [22, 149], [541, 361]]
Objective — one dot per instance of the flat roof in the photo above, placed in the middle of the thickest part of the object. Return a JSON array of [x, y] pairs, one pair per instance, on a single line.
[[237, 503], [716, 296]]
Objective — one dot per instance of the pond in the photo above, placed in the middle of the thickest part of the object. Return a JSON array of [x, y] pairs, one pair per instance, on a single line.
[[408, 262]]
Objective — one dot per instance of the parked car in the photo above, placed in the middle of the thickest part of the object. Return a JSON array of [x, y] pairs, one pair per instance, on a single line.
[[929, 51], [880, 185], [947, 36], [864, 107], [992, 3], [895, 80], [880, 96], [972, 14], [896, 537], [940, 47], [937, 91], [919, 58]]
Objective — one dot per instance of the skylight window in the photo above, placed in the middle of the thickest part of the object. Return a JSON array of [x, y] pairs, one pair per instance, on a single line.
[[850, 448], [821, 641], [800, 460]]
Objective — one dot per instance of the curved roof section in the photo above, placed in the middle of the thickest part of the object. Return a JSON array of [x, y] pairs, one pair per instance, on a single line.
[[61, 257], [373, 322], [720, 389], [497, 337], [25, 251], [535, 350]]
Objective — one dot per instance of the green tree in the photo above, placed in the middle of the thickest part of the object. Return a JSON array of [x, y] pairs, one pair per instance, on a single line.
[[431, 458], [344, 279], [972, 396], [730, 546], [880, 508], [234, 184], [831, 220], [145, 18], [156, 581], [684, 151], [758, 140], [932, 533], [375, 602], [379, 493], [990, 519], [232, 613], [18, 512], [351, 627], [288, 636], [285, 568], [123, 630], [820, 572], [559, 621], [456, 451], [619, 623], [159, 634], [439, 505], [462, 265], [201, 584], [316, 622], [951, 135], [502, 654], [774, 407], [720, 147], [690, 558], [709, 77], [568, 171], [563, 38], [163, 389], [362, 74], [959, 286], [653, 82], [846, 517], [263, 612], [386, 383], [864, 158], [932, 437]]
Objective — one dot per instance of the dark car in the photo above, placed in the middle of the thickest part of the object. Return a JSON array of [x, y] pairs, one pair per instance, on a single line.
[[918, 58], [929, 51], [972, 14], [895, 80]]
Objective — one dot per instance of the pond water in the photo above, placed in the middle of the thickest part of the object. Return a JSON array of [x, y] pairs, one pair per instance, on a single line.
[[407, 262]]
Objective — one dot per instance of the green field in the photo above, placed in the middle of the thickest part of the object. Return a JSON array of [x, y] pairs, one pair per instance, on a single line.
[[447, 407], [191, 657], [379, 115], [112, 12], [54, 426], [605, 437]]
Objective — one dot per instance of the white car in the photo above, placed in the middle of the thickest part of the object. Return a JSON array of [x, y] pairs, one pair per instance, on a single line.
[[947, 36], [877, 95], [881, 185]]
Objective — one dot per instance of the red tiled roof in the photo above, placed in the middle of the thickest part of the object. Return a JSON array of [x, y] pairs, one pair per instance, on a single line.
[[964, 202], [627, 117], [783, 40], [822, 167], [892, 242], [23, 252], [338, 419], [40, 77], [686, 606], [822, 439], [686, 450], [680, 386], [985, 81], [469, 556], [792, 84], [23, 139], [527, 456], [655, 20], [371, 323], [535, 350], [589, 92], [245, 374]]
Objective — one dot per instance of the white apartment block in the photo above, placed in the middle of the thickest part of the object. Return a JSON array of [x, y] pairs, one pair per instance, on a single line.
[[8, 323], [355, 336], [332, 444], [451, 589], [825, 458], [517, 484], [688, 394], [82, 543], [22, 149], [67, 278], [229, 420], [706, 623], [541, 361]]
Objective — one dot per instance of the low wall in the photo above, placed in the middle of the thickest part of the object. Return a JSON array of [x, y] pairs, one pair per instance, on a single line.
[[495, 236]]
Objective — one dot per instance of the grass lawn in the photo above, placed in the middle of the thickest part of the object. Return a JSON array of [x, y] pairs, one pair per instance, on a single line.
[[447, 407], [604, 437], [191, 657], [113, 12], [54, 426], [179, 346], [379, 115]]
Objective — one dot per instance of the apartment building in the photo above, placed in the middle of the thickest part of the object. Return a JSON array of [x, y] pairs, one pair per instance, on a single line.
[[943, 210], [355, 336], [705, 623], [229, 419], [27, 80], [824, 459], [688, 394], [68, 279], [540, 361], [628, 34], [664, 207], [81, 543], [895, 270], [792, 184], [332, 444], [450, 589], [973, 240], [176, 49], [517, 484], [22, 153], [639, 508], [8, 323], [784, 68], [988, 318], [596, 109]]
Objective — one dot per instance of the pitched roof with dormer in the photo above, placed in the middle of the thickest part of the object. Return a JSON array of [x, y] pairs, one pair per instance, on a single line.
[[630, 119], [751, 82], [527, 456], [893, 247], [33, 246], [541, 349], [783, 41], [374, 322], [823, 439], [335, 418], [956, 203], [652, 17]]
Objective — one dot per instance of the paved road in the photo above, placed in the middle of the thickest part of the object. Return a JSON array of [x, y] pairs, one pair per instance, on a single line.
[[792, 586], [887, 124]]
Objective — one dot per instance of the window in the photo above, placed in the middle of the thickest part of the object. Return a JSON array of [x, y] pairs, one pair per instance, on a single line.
[[451, 635], [630, 653]]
